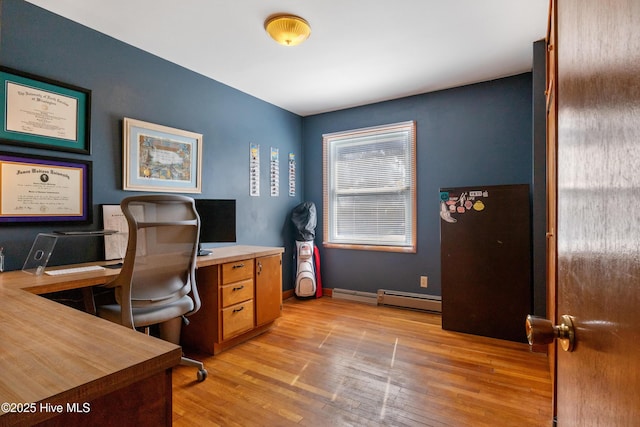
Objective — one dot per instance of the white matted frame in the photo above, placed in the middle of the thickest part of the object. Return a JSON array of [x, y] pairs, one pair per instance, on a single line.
[[160, 158]]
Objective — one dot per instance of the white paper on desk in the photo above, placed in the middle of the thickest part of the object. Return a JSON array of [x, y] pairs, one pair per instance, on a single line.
[[115, 245]]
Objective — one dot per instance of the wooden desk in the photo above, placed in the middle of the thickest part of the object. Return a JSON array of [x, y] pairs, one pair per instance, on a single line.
[[241, 293], [45, 283], [54, 355]]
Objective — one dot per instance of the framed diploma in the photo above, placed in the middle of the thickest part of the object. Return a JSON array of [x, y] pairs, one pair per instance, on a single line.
[[44, 189], [44, 113], [160, 158]]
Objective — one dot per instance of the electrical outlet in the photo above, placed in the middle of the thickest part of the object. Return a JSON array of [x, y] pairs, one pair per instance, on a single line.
[[424, 281]]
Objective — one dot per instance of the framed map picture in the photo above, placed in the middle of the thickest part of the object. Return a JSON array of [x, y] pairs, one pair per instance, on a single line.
[[160, 158]]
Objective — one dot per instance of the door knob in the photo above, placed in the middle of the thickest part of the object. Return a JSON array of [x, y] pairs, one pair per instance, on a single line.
[[542, 331]]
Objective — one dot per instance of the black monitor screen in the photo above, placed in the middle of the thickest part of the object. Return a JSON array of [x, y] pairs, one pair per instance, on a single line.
[[217, 220]]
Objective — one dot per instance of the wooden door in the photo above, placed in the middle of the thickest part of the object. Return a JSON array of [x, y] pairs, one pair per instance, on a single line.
[[268, 288], [598, 245], [552, 179]]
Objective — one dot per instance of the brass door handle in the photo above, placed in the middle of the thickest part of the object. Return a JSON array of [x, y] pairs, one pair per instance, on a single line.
[[542, 331]]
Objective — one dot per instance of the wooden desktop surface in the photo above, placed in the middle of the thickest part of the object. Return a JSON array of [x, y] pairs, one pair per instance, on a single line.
[[45, 283], [56, 354]]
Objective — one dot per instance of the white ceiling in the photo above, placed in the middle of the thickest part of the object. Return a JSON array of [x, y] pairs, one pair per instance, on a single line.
[[359, 52]]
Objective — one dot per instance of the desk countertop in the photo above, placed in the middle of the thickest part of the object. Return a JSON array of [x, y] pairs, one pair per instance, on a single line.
[[56, 354], [45, 283], [236, 253]]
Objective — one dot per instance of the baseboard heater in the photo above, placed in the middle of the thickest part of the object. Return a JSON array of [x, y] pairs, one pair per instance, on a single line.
[[392, 298], [410, 300], [365, 297]]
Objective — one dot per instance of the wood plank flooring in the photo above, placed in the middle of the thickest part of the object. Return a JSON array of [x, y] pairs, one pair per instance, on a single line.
[[339, 363]]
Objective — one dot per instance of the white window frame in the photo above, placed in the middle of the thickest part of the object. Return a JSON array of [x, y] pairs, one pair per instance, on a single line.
[[336, 187]]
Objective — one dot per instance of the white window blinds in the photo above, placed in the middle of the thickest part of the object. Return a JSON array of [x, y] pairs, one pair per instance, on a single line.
[[369, 188]]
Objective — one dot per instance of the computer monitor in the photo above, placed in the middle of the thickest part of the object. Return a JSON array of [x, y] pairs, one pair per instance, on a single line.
[[217, 221]]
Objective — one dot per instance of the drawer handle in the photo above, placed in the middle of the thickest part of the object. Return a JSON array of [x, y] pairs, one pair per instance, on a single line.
[[237, 310], [238, 266], [238, 288]]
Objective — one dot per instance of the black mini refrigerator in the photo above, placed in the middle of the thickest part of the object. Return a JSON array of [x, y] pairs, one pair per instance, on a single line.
[[485, 249]]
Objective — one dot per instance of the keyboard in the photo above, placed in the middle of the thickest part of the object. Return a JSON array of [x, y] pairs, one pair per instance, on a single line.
[[73, 270]]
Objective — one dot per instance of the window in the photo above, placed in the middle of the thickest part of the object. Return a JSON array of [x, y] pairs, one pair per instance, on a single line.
[[369, 199]]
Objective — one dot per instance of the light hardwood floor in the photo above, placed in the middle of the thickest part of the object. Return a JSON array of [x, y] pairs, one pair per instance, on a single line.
[[339, 363]]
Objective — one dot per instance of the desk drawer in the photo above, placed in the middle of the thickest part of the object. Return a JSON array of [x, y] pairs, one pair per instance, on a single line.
[[237, 319], [237, 292], [235, 271]]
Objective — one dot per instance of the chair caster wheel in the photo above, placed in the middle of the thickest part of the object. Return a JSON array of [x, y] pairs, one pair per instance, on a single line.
[[202, 375]]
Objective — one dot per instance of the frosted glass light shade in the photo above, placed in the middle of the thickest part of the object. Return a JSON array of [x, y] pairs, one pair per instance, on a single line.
[[288, 30]]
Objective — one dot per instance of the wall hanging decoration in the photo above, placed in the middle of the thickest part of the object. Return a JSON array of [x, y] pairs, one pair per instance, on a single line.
[[274, 172], [44, 113], [160, 158], [254, 170], [292, 175], [44, 189]]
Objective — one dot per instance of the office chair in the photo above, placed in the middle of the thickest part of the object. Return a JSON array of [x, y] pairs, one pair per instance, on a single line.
[[156, 284]]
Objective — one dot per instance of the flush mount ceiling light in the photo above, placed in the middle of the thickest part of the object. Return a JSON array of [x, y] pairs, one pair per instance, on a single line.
[[288, 30]]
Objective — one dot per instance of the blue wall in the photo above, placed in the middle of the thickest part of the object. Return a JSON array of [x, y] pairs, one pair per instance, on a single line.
[[127, 82], [472, 135]]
